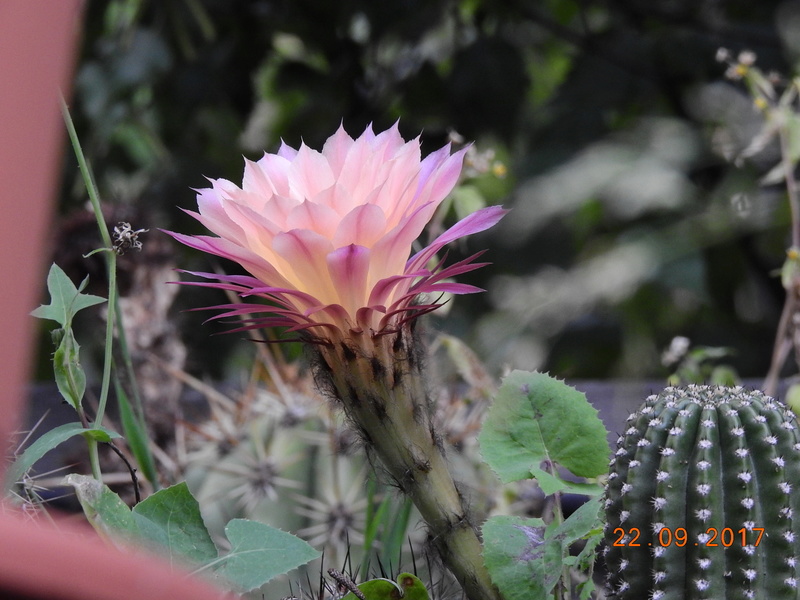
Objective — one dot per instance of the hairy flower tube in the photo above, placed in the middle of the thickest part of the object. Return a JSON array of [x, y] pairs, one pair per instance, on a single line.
[[327, 239]]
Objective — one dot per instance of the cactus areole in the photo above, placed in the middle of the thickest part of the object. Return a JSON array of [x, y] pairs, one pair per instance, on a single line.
[[701, 499]]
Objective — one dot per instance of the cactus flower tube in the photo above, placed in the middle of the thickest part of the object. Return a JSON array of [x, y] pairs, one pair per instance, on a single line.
[[701, 500], [326, 238]]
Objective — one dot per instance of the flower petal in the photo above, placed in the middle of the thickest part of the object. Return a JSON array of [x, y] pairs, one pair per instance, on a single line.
[[313, 216], [474, 223], [363, 226], [349, 268], [267, 177], [336, 148], [309, 173], [303, 261]]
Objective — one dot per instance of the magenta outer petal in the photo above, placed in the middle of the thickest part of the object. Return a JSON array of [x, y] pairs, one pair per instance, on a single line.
[[349, 269], [242, 280], [474, 223], [225, 249], [442, 181]]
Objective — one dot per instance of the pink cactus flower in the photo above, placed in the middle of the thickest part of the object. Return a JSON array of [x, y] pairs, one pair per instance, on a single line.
[[327, 236]]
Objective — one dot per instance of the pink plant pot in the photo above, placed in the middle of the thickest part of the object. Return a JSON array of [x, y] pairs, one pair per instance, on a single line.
[[52, 560]]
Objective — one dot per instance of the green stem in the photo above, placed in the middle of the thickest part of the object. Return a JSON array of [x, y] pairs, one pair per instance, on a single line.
[[111, 264]]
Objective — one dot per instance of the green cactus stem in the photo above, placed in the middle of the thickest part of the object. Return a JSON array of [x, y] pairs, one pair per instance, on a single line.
[[701, 499]]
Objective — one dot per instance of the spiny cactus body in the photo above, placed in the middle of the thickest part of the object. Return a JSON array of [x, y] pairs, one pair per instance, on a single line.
[[701, 499]]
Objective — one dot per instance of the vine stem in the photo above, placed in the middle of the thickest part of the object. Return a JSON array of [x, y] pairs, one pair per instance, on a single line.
[[783, 343], [111, 264]]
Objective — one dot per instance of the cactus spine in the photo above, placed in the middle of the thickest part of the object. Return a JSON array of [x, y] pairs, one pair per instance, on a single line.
[[716, 465]]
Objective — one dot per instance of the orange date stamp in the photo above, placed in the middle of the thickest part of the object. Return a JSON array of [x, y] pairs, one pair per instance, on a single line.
[[711, 537]]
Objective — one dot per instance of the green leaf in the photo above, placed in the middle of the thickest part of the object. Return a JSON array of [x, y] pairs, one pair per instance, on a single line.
[[552, 483], [136, 436], [49, 441], [260, 553], [168, 522], [70, 378], [171, 518], [65, 298], [579, 524], [523, 562], [104, 509], [536, 420], [408, 587]]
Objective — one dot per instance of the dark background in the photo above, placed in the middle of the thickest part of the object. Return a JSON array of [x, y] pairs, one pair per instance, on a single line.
[[630, 225]]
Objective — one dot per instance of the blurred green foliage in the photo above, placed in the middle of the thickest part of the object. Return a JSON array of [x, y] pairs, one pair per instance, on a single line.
[[631, 223]]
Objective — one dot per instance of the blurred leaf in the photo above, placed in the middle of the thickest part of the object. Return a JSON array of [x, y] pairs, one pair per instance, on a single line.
[[49, 441], [260, 553], [522, 564], [104, 509], [136, 435], [171, 518]]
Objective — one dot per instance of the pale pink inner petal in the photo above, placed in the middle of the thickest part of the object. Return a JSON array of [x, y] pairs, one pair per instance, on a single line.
[[309, 174], [397, 194], [386, 143], [364, 225], [279, 208], [336, 148], [359, 172], [313, 216], [338, 198], [214, 217], [390, 253], [275, 174], [301, 257], [286, 151]]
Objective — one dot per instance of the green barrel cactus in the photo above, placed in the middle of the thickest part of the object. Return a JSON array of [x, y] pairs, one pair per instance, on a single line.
[[703, 498]]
